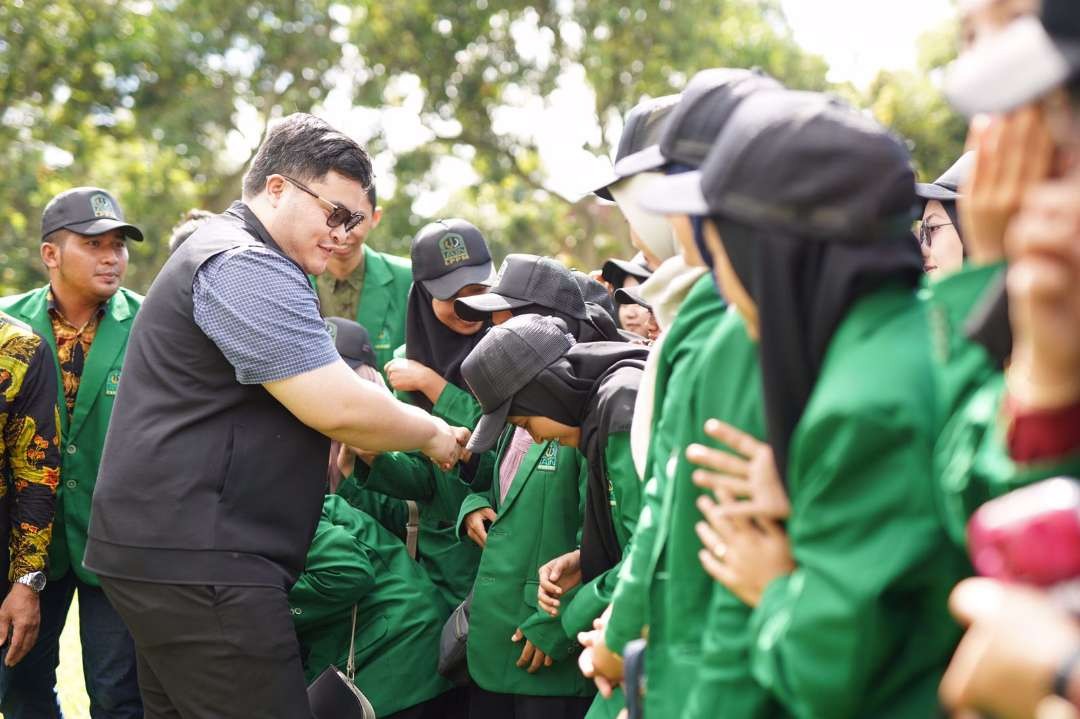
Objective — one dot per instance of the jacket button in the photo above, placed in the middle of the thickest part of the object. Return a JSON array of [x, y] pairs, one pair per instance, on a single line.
[[71, 483], [72, 449]]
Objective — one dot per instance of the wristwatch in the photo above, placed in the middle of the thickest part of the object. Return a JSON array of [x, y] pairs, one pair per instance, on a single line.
[[34, 580]]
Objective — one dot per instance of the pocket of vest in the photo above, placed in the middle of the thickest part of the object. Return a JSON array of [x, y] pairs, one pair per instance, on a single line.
[[227, 460]]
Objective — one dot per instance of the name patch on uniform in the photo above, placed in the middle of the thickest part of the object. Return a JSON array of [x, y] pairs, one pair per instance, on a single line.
[[382, 342], [452, 246], [549, 460], [112, 382]]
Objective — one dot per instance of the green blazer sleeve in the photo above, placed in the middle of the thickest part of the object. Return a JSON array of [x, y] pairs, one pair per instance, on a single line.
[[827, 638], [591, 599], [406, 475], [471, 503], [390, 512], [338, 574], [457, 407]]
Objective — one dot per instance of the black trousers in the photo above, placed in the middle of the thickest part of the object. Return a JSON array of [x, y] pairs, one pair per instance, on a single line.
[[212, 651], [489, 705]]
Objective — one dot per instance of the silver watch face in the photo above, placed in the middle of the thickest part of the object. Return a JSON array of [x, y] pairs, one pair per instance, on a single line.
[[34, 580]]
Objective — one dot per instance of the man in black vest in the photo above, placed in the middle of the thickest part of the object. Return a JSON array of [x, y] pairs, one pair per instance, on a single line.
[[213, 471]]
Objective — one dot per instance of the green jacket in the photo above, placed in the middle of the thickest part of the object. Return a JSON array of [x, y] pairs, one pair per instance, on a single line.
[[540, 519], [410, 476], [83, 435], [590, 601], [354, 561], [384, 299], [861, 627]]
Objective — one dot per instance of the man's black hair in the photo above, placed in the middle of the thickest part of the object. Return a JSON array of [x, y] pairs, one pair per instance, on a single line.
[[306, 148]]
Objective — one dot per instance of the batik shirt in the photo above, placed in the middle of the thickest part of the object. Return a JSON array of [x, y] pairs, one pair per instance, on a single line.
[[72, 347], [29, 445]]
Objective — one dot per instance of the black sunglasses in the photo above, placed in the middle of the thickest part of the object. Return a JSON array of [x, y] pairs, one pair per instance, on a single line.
[[339, 215]]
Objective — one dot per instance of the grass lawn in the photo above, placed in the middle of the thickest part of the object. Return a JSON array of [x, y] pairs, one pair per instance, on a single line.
[[73, 699]]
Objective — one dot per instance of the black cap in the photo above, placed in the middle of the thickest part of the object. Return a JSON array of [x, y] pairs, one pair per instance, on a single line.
[[631, 296], [799, 162], [448, 255], [641, 129], [352, 341], [503, 363], [1024, 61], [86, 211], [595, 293], [691, 128], [616, 271], [947, 187], [526, 280]]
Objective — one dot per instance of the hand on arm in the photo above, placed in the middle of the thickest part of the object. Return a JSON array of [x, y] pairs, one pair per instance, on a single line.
[[557, 577]]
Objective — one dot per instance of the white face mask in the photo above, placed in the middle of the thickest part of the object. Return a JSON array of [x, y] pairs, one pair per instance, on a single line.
[[653, 230]]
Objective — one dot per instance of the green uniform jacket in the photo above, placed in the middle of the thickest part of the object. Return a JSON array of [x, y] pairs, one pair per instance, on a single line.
[[861, 627], [384, 299], [83, 435], [540, 519], [722, 685], [971, 461], [353, 560], [407, 475]]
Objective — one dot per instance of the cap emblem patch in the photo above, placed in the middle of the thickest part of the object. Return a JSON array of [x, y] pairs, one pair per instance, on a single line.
[[102, 206], [452, 246]]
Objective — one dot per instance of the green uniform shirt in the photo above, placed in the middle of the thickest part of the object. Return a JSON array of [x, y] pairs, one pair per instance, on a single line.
[[83, 433]]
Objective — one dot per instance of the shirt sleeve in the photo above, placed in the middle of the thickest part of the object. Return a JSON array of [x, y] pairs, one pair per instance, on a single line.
[[33, 443], [261, 312]]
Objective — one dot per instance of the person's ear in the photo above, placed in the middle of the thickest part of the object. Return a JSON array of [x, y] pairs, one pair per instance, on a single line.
[[51, 255], [376, 217], [275, 189]]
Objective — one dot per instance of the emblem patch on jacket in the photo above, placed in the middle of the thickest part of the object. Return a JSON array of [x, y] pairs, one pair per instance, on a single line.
[[549, 460], [112, 382], [452, 246]]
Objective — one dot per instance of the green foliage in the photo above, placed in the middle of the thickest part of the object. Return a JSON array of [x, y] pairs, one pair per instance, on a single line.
[[163, 103]]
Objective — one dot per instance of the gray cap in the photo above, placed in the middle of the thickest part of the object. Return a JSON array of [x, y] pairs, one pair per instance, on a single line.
[[947, 187], [641, 129], [1021, 63], [86, 211], [631, 296], [799, 162], [691, 128], [526, 280], [352, 341], [503, 363], [448, 255]]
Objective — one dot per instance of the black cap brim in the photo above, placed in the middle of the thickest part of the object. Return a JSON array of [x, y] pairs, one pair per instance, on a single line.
[[1013, 67], [489, 428], [929, 191], [631, 296], [480, 307], [618, 269], [445, 287], [102, 225]]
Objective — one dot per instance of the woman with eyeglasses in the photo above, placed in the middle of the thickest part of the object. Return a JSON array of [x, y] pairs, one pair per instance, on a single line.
[[940, 238]]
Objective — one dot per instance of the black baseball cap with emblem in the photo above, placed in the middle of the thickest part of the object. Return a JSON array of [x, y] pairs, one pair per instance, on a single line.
[[642, 129], [448, 255], [352, 341], [526, 280], [86, 211]]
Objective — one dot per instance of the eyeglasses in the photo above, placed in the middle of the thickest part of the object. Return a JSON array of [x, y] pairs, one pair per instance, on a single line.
[[339, 215], [926, 232]]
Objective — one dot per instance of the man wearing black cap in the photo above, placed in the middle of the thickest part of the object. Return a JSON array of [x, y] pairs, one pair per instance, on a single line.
[[85, 316]]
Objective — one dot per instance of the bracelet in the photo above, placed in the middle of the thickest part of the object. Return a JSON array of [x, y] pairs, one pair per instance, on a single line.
[[1064, 673]]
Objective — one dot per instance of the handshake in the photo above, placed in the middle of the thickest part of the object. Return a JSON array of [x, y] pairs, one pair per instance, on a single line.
[[447, 445]]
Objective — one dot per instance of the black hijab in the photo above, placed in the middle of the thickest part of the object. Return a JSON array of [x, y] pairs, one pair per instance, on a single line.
[[803, 289], [433, 344], [594, 387]]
